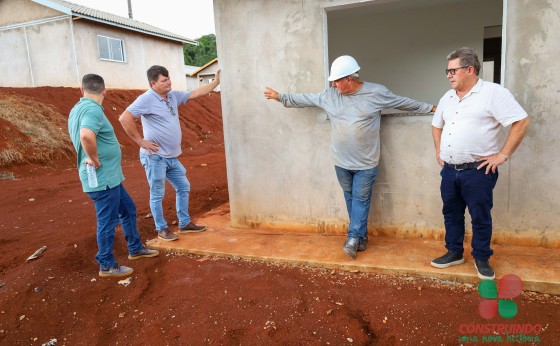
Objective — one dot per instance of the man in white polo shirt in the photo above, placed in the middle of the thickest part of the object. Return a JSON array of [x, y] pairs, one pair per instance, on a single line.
[[466, 128]]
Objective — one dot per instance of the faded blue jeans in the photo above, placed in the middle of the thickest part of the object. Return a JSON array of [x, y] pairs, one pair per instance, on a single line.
[[158, 169], [111, 206], [357, 186]]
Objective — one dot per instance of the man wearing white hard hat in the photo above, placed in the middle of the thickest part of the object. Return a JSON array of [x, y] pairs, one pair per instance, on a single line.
[[354, 108]]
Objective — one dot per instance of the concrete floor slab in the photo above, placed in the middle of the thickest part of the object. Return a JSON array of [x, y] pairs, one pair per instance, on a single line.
[[538, 267]]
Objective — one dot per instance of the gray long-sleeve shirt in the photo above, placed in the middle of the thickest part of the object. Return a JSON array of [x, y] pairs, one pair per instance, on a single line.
[[355, 120]]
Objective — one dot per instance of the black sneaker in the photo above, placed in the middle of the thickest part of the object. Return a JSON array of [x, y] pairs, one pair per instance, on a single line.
[[363, 244], [351, 246], [448, 260], [484, 271]]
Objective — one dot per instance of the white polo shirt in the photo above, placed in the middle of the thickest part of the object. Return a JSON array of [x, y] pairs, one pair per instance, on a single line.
[[471, 125]]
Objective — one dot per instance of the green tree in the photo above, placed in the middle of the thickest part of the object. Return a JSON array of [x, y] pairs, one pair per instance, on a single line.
[[201, 54]]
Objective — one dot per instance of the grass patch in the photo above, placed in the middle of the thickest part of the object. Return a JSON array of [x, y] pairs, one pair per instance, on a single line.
[[38, 133]]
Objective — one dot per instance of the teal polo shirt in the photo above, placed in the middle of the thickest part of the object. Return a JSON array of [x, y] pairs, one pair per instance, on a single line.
[[88, 114]]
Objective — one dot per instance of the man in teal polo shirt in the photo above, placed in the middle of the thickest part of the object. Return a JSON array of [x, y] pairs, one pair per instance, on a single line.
[[96, 145]]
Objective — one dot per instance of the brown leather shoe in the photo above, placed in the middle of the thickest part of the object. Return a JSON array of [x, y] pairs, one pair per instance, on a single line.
[[167, 235], [191, 228]]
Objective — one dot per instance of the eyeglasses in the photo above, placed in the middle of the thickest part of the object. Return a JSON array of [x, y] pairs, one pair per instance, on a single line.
[[170, 107], [454, 70]]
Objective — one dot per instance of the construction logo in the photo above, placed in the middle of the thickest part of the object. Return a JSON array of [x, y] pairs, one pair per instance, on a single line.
[[499, 299]]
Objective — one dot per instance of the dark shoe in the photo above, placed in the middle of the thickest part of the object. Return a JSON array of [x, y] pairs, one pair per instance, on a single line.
[[363, 244], [191, 228], [145, 252], [167, 235], [448, 260], [116, 271], [484, 271], [351, 246]]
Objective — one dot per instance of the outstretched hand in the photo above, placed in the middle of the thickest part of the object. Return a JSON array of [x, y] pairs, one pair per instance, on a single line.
[[271, 94]]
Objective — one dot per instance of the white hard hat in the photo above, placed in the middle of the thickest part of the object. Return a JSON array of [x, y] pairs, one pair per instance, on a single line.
[[343, 66]]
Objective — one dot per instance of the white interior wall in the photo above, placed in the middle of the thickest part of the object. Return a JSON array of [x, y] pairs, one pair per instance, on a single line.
[[405, 47]]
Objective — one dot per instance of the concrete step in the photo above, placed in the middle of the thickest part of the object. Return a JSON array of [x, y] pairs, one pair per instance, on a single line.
[[538, 267]]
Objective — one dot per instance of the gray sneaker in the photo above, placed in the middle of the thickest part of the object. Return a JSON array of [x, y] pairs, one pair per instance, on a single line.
[[116, 271], [145, 252], [351, 246], [448, 260], [167, 235], [363, 244]]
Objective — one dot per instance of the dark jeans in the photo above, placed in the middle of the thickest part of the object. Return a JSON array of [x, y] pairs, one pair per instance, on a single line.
[[114, 205], [472, 189]]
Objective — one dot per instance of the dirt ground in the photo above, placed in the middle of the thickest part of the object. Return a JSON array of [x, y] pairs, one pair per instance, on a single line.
[[193, 300]]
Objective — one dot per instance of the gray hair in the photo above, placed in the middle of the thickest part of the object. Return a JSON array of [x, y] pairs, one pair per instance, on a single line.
[[467, 57], [355, 76]]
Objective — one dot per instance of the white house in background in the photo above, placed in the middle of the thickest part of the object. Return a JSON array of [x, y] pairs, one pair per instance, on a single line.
[[203, 75], [55, 42]]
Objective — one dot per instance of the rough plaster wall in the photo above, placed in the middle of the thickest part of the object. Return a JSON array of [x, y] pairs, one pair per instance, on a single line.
[[278, 159], [54, 66], [14, 62], [24, 61], [279, 166], [533, 75]]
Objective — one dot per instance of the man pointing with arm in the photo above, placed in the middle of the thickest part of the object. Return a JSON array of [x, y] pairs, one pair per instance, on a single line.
[[160, 145]]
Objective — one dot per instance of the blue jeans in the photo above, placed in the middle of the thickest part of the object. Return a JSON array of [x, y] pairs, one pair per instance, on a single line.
[[157, 170], [357, 187], [472, 189], [111, 206]]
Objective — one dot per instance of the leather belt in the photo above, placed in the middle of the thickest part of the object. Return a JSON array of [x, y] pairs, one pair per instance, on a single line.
[[463, 166]]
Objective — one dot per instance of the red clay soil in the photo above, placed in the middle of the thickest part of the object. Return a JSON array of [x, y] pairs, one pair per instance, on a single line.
[[193, 300]]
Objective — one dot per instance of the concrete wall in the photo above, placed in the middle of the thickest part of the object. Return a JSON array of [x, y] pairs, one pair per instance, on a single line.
[[48, 48], [280, 172], [533, 76]]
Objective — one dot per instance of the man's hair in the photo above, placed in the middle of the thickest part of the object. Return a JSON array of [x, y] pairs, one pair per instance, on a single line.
[[154, 72], [355, 76], [93, 84], [467, 56]]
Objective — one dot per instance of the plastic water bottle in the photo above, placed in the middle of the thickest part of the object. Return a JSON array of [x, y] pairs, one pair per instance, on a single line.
[[91, 176]]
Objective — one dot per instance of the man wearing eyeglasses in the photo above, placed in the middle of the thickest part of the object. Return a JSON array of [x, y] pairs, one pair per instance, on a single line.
[[160, 146], [354, 108], [466, 128]]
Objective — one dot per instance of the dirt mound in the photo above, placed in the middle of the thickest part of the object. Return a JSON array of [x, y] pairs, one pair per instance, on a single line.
[[33, 126]]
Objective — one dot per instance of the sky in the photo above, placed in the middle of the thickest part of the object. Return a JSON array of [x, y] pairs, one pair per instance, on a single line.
[[188, 18]]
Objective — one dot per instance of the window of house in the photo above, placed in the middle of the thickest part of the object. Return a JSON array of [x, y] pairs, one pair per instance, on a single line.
[[110, 48]]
